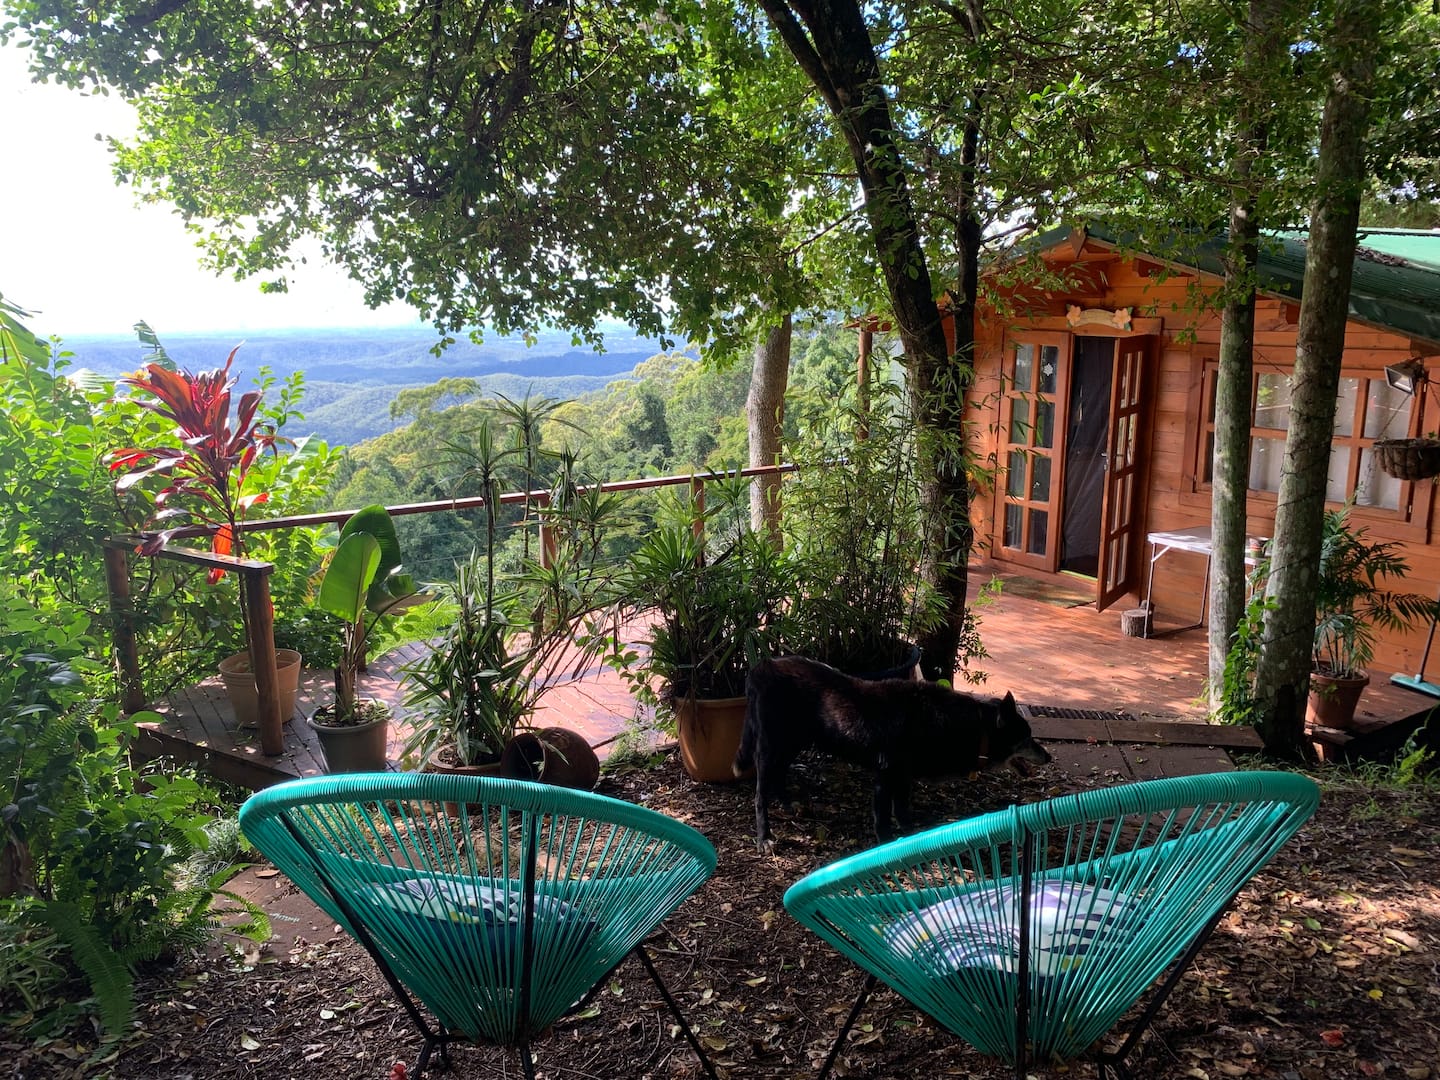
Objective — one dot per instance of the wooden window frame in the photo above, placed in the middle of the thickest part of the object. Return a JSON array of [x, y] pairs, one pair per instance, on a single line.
[[1407, 521]]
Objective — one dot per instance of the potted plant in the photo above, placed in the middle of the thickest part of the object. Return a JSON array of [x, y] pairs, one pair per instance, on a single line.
[[854, 525], [515, 635], [1352, 603], [361, 586], [710, 615], [207, 467]]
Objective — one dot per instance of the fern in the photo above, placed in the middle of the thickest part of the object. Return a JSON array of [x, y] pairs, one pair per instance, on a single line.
[[109, 976], [256, 926]]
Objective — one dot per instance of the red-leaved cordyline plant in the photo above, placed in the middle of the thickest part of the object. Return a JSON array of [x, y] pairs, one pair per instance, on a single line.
[[207, 469]]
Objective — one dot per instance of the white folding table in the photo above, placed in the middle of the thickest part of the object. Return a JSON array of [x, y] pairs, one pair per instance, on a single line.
[[1196, 540]]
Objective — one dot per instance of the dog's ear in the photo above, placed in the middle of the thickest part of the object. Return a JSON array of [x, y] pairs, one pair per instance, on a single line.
[[1007, 713]]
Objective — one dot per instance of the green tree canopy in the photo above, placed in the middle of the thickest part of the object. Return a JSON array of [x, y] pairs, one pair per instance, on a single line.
[[491, 162]]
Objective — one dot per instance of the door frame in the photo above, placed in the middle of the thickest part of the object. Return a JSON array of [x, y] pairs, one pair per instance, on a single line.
[[1124, 489]]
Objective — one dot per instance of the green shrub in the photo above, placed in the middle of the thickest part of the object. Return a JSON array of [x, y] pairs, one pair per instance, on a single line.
[[88, 844]]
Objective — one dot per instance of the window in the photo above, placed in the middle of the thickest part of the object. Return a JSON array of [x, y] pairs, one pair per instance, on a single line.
[[1367, 409]]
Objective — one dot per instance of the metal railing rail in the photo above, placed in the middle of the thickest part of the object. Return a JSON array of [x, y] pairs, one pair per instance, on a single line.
[[254, 576]]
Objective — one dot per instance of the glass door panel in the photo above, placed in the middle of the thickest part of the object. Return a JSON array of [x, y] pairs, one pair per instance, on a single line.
[[1032, 379]]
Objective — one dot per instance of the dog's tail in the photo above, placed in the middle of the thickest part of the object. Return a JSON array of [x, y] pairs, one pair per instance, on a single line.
[[745, 756]]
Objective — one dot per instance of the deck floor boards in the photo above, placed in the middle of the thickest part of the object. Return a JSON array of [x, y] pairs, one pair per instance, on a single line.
[[1145, 694]]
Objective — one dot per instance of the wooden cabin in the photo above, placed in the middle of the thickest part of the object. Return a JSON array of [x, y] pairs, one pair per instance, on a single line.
[[1097, 398]]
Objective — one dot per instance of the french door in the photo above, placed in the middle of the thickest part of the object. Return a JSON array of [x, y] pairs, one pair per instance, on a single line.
[[1033, 384], [1071, 415]]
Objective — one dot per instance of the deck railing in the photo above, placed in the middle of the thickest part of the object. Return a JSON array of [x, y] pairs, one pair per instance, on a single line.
[[254, 577]]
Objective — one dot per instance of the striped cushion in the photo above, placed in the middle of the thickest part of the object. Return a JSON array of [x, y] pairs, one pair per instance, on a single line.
[[981, 928], [461, 910]]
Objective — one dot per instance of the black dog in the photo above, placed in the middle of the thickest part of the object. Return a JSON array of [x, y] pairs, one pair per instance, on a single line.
[[898, 728]]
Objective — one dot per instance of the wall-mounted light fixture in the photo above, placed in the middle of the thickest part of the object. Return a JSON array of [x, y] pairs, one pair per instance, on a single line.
[[1405, 377]]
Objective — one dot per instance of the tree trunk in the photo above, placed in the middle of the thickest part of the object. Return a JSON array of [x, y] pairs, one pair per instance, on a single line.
[[17, 868], [1283, 672], [765, 411], [1230, 470], [939, 396], [831, 43]]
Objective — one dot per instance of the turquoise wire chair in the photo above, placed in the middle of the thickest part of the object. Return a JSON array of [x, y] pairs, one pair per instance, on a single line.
[[500, 905], [1030, 932]]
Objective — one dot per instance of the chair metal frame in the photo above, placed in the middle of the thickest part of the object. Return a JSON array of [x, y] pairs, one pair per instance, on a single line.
[[274, 821], [818, 901]]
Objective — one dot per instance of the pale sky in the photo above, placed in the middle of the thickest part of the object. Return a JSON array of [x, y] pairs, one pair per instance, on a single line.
[[81, 255]]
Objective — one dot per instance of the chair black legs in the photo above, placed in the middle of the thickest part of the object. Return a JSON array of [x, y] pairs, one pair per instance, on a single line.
[[865, 991], [1113, 1061], [639, 951], [432, 1042]]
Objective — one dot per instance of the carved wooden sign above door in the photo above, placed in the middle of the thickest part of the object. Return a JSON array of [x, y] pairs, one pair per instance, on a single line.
[[1119, 318]]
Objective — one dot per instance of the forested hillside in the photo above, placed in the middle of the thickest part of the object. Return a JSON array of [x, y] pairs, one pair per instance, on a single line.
[[671, 415], [352, 375], [344, 414]]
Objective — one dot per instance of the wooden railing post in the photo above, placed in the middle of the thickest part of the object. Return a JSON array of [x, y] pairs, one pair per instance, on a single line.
[[255, 580], [548, 548], [122, 614], [697, 508]]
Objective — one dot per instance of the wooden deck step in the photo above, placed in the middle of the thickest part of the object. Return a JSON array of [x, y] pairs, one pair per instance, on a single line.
[[1049, 724]]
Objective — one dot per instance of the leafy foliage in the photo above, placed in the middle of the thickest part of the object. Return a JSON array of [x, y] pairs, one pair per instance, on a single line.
[[715, 609], [1353, 605], [362, 585], [219, 467], [498, 138], [1352, 602], [854, 519], [209, 461], [516, 633], [57, 505], [90, 845]]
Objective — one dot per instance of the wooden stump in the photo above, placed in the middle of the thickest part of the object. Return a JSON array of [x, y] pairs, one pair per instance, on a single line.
[[1136, 622]]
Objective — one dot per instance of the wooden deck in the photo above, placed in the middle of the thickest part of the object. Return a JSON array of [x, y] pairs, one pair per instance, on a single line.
[[199, 724], [1099, 700]]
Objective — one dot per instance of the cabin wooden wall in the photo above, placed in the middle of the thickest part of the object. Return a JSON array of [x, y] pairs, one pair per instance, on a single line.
[[1174, 499]]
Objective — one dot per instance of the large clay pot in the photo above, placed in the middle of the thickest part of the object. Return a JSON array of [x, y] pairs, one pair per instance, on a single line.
[[352, 748], [1332, 701], [552, 756], [239, 683], [710, 731]]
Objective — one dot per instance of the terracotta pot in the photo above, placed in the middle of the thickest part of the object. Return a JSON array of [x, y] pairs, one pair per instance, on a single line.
[[450, 768], [239, 683], [710, 731], [553, 756], [352, 748], [1333, 701]]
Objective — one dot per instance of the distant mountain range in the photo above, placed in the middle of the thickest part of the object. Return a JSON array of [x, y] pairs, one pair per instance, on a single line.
[[351, 376]]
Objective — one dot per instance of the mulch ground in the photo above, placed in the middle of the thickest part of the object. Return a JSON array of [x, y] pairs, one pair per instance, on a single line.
[[1327, 967]]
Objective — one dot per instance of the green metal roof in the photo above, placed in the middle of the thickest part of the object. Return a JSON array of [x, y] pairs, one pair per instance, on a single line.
[[1395, 284], [1420, 247]]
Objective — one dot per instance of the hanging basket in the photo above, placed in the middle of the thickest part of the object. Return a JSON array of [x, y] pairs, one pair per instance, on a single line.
[[1409, 459]]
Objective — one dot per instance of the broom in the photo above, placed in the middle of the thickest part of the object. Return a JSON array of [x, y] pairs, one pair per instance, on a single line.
[[1418, 682]]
